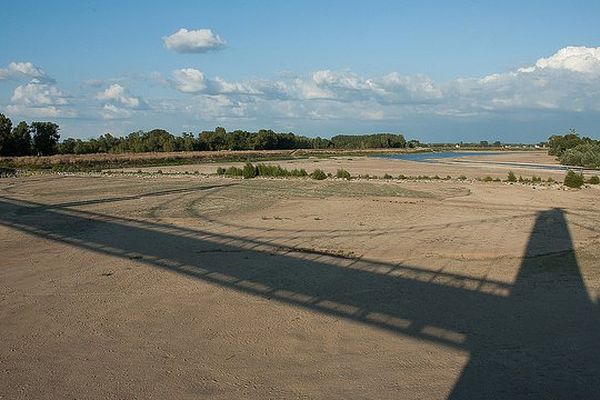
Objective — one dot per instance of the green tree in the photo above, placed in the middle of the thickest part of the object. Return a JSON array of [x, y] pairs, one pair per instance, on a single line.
[[21, 139], [5, 133], [45, 137]]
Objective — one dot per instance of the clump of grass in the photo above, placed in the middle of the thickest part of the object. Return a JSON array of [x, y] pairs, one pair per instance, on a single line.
[[436, 177], [594, 180], [342, 174], [462, 178], [220, 171], [387, 176], [488, 179], [402, 177], [249, 171], [298, 173], [573, 180], [318, 174], [511, 177], [448, 177], [550, 180], [536, 178], [497, 179], [233, 171]]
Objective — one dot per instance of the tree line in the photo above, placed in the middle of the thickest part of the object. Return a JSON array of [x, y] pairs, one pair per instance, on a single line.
[[37, 138], [571, 149], [42, 138]]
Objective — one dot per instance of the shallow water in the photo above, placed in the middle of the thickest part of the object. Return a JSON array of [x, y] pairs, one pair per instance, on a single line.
[[435, 155]]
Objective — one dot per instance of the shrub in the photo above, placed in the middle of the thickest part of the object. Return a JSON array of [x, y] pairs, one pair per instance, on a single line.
[[536, 178], [594, 180], [436, 177], [462, 178], [488, 179], [497, 180], [448, 177], [511, 177], [402, 176], [318, 174], [221, 171], [233, 171], [298, 173], [550, 179], [521, 179], [249, 171], [388, 176], [573, 180], [342, 174]]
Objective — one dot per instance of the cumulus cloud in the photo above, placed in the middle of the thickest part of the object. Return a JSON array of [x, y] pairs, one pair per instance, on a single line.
[[116, 93], [193, 41], [39, 99], [24, 71], [575, 59], [193, 81], [111, 111]]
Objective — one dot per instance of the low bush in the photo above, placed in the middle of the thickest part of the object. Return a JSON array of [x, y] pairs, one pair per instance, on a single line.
[[550, 179], [249, 171], [221, 171], [488, 179], [462, 178], [594, 180], [342, 174], [573, 180], [318, 174], [536, 178], [233, 171], [388, 176], [511, 177], [299, 173], [402, 177]]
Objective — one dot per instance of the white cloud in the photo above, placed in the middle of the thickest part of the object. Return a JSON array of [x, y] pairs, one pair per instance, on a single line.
[[118, 94], [575, 59], [24, 71], [193, 41], [110, 111], [39, 99], [189, 80]]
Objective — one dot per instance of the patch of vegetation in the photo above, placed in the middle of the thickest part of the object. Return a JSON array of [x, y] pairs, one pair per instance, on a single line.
[[594, 180], [249, 171], [536, 179], [342, 174], [318, 174], [570, 149], [5, 172], [387, 176], [511, 177], [488, 179], [462, 178], [573, 180], [234, 171]]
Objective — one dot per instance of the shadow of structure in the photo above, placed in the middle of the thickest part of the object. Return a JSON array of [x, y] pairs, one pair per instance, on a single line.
[[535, 338]]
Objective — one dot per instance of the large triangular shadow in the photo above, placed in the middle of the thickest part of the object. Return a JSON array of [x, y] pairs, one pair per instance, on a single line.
[[543, 342], [539, 341]]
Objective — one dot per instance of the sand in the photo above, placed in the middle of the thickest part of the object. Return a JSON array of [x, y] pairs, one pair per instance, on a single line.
[[204, 287]]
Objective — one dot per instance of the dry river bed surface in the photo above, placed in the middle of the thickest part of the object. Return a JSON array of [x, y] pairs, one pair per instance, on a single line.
[[183, 286]]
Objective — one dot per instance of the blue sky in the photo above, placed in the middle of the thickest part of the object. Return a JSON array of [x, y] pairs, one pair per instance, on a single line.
[[437, 71]]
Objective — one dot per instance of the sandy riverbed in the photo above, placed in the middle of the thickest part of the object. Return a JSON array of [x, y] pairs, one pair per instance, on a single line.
[[204, 287]]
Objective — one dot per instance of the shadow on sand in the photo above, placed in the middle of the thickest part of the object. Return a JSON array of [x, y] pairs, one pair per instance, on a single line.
[[535, 338]]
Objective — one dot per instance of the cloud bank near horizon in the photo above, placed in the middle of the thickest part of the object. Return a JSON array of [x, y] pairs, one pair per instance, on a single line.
[[567, 81]]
